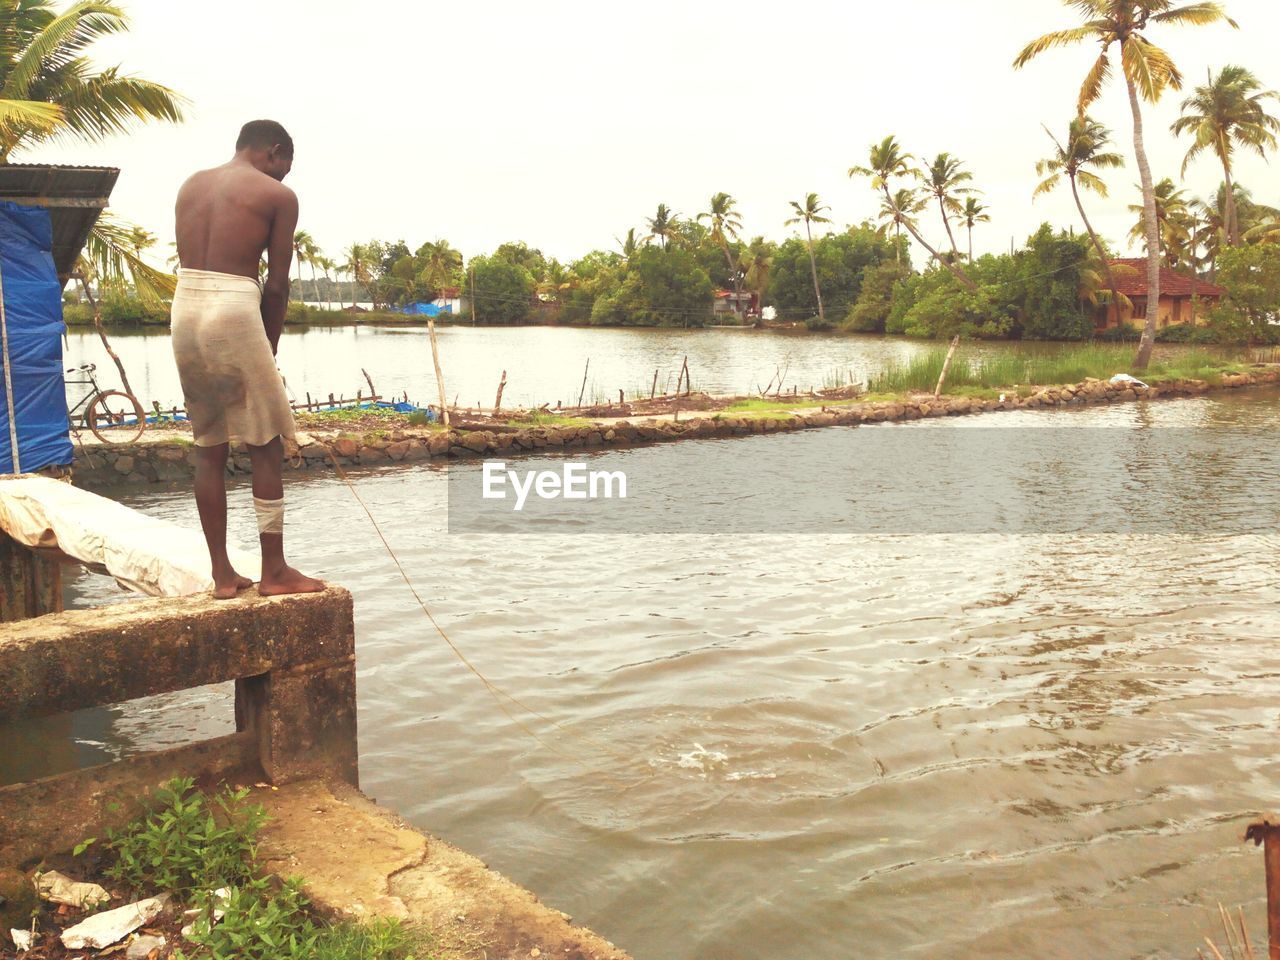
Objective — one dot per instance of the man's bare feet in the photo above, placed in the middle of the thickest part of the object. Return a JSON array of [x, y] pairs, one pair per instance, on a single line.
[[288, 580], [226, 587]]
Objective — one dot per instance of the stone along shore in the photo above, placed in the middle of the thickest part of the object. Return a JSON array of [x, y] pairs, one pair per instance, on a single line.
[[156, 461]]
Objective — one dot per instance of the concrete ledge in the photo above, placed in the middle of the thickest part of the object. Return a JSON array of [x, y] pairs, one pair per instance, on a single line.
[[80, 658], [360, 860]]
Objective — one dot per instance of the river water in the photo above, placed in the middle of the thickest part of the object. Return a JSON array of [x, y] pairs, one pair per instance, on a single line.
[[814, 747], [543, 364]]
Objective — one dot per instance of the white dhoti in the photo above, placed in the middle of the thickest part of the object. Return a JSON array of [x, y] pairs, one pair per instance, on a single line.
[[232, 389]]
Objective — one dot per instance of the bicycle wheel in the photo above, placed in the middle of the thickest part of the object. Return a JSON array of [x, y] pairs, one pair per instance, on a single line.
[[115, 417]]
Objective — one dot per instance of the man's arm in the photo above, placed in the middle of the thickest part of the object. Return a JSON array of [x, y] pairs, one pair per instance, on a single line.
[[275, 294]]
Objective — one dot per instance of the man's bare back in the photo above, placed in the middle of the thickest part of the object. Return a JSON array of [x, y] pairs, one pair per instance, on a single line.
[[226, 215]]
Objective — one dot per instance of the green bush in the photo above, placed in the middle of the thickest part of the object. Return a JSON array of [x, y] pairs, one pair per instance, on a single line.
[[188, 842], [192, 845], [124, 309]]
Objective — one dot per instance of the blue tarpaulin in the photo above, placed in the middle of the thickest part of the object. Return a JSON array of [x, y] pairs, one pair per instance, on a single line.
[[33, 320], [426, 309]]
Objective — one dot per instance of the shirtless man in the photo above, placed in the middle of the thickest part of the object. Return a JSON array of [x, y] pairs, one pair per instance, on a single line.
[[226, 328]]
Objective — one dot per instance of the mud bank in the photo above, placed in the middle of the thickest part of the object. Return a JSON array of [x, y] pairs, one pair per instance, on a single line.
[[156, 461]]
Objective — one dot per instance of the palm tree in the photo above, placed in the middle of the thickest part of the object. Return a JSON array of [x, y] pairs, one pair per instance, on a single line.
[[725, 226], [49, 89], [1173, 217], [441, 264], [357, 268], [327, 264], [1086, 146], [1148, 72], [1228, 112], [662, 224], [757, 263], [314, 253], [900, 209], [945, 181], [810, 212], [971, 214], [141, 239], [302, 244], [630, 245], [887, 161]]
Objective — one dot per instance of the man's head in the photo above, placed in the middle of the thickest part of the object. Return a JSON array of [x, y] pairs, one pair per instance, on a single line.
[[268, 146]]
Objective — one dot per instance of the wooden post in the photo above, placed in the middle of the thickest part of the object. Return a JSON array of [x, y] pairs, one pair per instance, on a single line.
[[497, 403], [946, 365], [367, 379], [687, 385], [435, 358], [654, 388], [621, 397], [1267, 833], [583, 391]]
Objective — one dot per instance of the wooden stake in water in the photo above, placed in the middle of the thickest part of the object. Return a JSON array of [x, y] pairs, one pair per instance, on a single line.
[[497, 402], [583, 391], [654, 388], [1267, 833], [435, 357], [946, 365]]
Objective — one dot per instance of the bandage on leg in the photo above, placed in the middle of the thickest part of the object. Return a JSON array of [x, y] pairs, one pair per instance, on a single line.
[[270, 515]]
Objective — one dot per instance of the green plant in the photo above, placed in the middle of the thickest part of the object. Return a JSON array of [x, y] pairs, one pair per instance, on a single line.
[[188, 842]]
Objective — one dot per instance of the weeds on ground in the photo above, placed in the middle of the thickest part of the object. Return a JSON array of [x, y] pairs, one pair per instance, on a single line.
[[541, 418], [191, 844], [1100, 361]]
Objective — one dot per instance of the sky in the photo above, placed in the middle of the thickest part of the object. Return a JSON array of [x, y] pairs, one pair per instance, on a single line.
[[564, 123]]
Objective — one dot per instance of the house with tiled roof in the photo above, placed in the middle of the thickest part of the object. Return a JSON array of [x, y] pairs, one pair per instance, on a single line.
[[1184, 297]]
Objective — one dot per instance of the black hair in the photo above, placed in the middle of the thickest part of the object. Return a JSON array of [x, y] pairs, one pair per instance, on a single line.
[[264, 133]]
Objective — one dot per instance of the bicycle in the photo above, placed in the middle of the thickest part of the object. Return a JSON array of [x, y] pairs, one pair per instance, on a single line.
[[108, 412]]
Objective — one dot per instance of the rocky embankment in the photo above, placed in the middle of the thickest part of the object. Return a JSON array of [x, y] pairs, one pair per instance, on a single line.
[[158, 461]]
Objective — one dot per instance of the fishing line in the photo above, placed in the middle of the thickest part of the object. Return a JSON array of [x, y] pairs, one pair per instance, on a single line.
[[494, 690]]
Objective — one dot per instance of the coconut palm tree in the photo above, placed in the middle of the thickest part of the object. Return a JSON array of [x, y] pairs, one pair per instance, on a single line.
[[887, 161], [971, 214], [810, 212], [1148, 71], [440, 264], [662, 225], [359, 260], [302, 245], [1228, 112], [726, 223], [1086, 147], [327, 265], [630, 244], [945, 180], [51, 90], [757, 264], [900, 209], [1173, 217], [314, 253]]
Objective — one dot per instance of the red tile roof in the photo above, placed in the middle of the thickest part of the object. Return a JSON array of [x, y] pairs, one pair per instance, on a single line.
[[1173, 283]]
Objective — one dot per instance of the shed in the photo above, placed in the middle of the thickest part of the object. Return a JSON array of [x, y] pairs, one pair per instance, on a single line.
[[46, 213]]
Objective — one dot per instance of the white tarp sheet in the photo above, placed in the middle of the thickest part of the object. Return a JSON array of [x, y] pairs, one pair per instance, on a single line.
[[150, 556]]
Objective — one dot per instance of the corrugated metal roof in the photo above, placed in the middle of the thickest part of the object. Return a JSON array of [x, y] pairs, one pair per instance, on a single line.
[[74, 197]]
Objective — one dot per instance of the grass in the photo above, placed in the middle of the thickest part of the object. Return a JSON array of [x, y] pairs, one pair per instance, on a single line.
[[539, 418], [190, 843], [1100, 361]]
